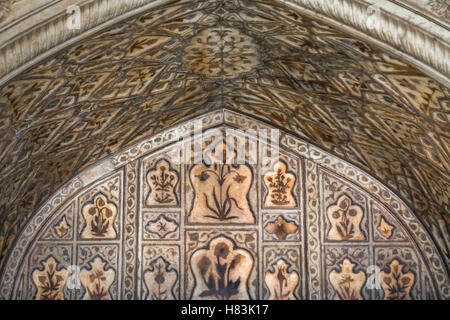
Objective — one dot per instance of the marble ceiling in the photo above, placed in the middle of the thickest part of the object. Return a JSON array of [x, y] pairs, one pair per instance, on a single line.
[[259, 58]]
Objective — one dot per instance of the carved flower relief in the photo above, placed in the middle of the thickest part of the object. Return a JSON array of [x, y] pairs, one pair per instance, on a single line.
[[280, 282], [281, 228], [279, 184], [385, 229], [346, 283], [162, 181], [220, 192], [97, 280], [221, 271], [160, 280], [61, 227], [50, 280], [396, 284], [345, 218], [161, 226], [221, 52], [99, 215]]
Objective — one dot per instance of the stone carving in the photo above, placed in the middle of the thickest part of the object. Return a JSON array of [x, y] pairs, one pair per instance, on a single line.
[[160, 279], [97, 280], [279, 184], [99, 215], [396, 284], [162, 226], [385, 228], [50, 281], [62, 228], [221, 271], [281, 228], [221, 191], [346, 283], [280, 282], [221, 52], [345, 218], [160, 265], [46, 94], [162, 181]]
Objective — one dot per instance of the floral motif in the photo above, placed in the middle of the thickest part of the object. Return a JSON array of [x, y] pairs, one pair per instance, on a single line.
[[160, 279], [97, 280], [280, 185], [345, 218], [221, 271], [162, 226], [396, 284], [62, 227], [99, 215], [221, 53], [221, 191], [385, 228], [280, 282], [347, 284], [162, 181], [281, 228], [50, 281]]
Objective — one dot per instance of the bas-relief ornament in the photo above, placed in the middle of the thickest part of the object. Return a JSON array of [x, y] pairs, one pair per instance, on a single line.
[[281, 228], [345, 218], [160, 279], [221, 271], [280, 185], [50, 280], [281, 282], [396, 283], [221, 191], [161, 226], [385, 228], [346, 282], [162, 181], [99, 215], [97, 279], [83, 64], [221, 52], [201, 242], [62, 226], [160, 272]]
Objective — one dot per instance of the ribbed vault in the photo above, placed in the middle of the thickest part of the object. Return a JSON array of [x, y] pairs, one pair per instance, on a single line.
[[181, 60]]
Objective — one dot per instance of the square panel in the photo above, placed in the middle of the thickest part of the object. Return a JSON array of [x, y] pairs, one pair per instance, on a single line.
[[160, 226], [100, 210], [345, 272], [281, 183], [400, 273], [48, 272], [161, 278], [344, 211], [160, 182], [233, 253], [281, 226], [282, 272], [99, 273]]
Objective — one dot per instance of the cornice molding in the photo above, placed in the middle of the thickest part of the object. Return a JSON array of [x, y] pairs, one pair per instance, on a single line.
[[399, 31]]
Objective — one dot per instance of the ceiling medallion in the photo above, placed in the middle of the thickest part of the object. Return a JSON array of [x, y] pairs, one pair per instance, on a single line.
[[221, 52]]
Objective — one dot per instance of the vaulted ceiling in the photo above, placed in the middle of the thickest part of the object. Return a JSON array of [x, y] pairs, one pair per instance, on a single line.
[[180, 60]]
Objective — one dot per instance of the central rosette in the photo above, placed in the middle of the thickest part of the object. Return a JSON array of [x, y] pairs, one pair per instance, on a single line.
[[221, 53]]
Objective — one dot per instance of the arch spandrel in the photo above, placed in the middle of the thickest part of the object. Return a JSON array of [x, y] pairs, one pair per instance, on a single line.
[[341, 222]]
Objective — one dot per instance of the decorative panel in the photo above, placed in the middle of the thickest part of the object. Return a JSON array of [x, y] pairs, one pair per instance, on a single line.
[[154, 227]]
